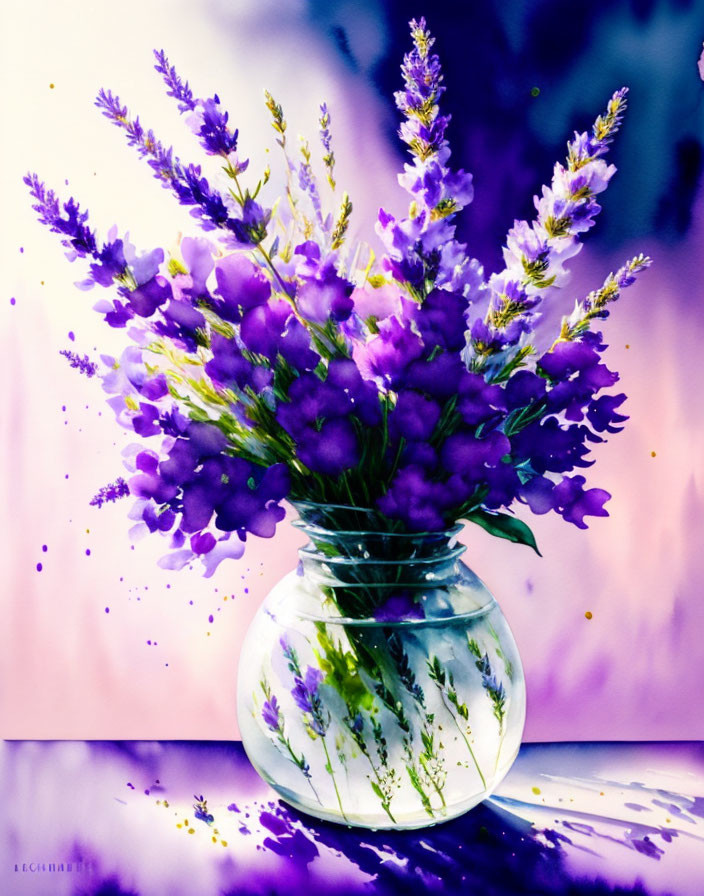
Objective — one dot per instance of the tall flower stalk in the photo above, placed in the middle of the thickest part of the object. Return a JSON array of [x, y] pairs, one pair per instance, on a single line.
[[448, 694], [306, 695]]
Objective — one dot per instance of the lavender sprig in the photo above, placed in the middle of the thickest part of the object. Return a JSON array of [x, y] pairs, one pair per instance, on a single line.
[[83, 364], [308, 183], [445, 683], [422, 250], [593, 306], [307, 699], [186, 181], [535, 252], [326, 140], [424, 128], [71, 223], [494, 689], [274, 720], [200, 808], [111, 492], [178, 89]]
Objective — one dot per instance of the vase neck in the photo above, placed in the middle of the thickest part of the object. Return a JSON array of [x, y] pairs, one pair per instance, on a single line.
[[372, 556]]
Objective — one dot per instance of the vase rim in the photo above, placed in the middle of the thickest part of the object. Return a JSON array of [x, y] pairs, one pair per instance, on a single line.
[[432, 621], [435, 560], [301, 523]]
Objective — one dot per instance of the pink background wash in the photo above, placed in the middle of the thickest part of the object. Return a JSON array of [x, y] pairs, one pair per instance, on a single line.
[[70, 669]]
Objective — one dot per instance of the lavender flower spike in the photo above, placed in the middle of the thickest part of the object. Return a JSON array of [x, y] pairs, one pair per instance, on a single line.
[[178, 89], [271, 714], [594, 305], [190, 187], [535, 252], [207, 120], [112, 492], [83, 364], [422, 250], [424, 129], [326, 140], [71, 224]]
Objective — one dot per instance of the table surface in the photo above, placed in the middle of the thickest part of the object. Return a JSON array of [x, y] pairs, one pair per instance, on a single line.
[[111, 818]]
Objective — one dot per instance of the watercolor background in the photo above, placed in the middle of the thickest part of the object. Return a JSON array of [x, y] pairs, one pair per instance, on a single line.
[[154, 666]]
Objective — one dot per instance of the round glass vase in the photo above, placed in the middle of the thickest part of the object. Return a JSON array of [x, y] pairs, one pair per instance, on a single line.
[[379, 684]]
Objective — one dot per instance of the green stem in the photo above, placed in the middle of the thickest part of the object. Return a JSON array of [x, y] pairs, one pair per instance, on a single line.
[[464, 738], [334, 782], [296, 760], [501, 744], [385, 804], [438, 789]]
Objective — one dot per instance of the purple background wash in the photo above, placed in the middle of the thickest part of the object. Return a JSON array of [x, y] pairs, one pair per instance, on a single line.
[[155, 665]]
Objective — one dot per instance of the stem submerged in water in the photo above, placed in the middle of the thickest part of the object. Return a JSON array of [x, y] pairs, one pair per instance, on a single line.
[[328, 768]]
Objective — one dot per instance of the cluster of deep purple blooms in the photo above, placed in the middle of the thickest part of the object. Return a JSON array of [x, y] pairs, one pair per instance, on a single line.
[[266, 367]]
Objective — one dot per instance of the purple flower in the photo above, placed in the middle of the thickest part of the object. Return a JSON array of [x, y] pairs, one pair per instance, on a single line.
[[480, 402], [111, 492], [203, 543], [387, 355], [441, 320], [83, 364], [241, 285], [323, 294], [271, 714], [177, 88], [467, 455], [146, 422], [307, 699], [439, 377], [330, 450], [602, 413], [198, 255], [210, 123], [573, 502], [70, 223], [414, 416], [399, 606], [228, 365], [416, 499], [186, 181], [151, 295]]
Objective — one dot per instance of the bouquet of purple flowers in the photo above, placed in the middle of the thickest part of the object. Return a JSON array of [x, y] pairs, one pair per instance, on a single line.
[[274, 360]]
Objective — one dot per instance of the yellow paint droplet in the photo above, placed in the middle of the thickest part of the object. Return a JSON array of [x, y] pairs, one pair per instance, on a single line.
[[588, 614], [224, 842], [166, 804], [668, 820], [536, 790], [51, 86], [215, 839], [225, 598], [191, 831], [179, 825], [601, 793], [42, 282], [87, 531], [208, 634], [653, 454], [627, 345], [186, 822]]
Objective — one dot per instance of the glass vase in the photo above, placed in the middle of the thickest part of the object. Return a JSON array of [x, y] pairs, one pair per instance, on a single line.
[[379, 683]]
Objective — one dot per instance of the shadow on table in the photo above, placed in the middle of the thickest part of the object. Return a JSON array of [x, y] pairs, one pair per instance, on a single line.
[[487, 851]]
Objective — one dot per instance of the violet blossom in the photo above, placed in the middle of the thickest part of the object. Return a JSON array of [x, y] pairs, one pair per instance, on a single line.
[[284, 362]]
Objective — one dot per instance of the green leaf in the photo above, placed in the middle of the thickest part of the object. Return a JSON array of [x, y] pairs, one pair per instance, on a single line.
[[504, 526], [377, 790]]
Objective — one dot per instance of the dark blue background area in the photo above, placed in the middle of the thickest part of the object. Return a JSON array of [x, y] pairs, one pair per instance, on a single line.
[[577, 54]]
